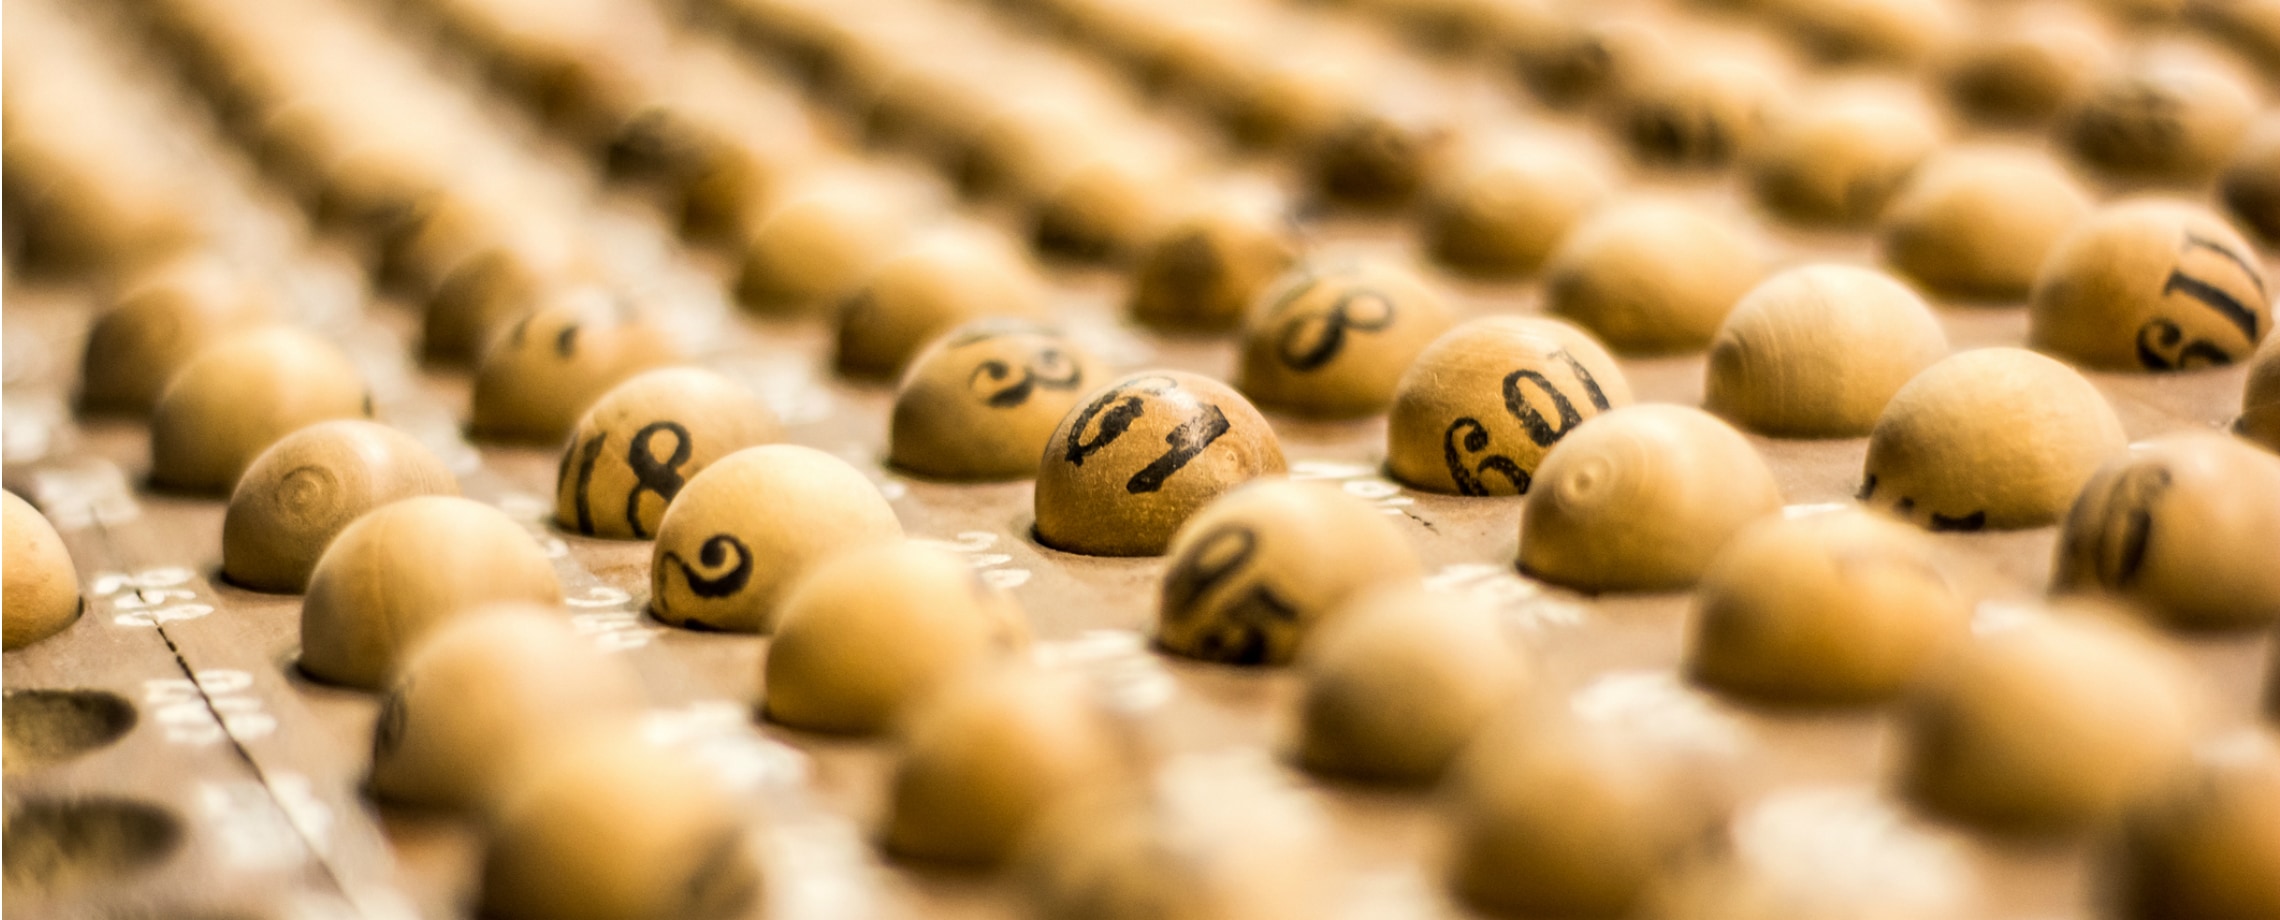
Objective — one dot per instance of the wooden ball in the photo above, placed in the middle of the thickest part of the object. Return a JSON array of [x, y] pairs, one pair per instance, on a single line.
[[1476, 411], [1843, 608], [1379, 157], [2208, 848], [980, 403], [541, 375], [1818, 351], [930, 287], [162, 317], [2024, 62], [1123, 856], [1837, 164], [1399, 681], [2251, 185], [2151, 284], [1899, 32], [42, 588], [1137, 457], [309, 485], [1569, 59], [642, 440], [2163, 118], [748, 526], [484, 698], [403, 569], [2259, 419], [1109, 207], [1642, 500], [1696, 113], [815, 249], [1977, 222], [1500, 214], [528, 266], [240, 395], [1997, 438], [1650, 276], [2169, 526], [1332, 338], [867, 635], [1204, 272], [1255, 572], [2047, 725]]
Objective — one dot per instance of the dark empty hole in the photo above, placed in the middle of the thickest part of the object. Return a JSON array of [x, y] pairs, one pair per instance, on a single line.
[[53, 845], [43, 727]]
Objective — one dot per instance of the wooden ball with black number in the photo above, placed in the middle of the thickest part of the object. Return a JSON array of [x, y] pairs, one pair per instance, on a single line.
[[1838, 163], [2208, 847], [527, 265], [2025, 61], [162, 318], [1994, 438], [932, 286], [41, 596], [401, 570], [642, 440], [1259, 569], [2169, 526], [814, 249], [2155, 285], [1204, 272], [748, 526], [241, 394], [2168, 117], [1136, 458], [980, 402], [1480, 406], [1500, 213], [1696, 113], [540, 375], [484, 698], [309, 485], [1818, 351], [1650, 276], [1979, 221], [1332, 338], [1399, 681], [2259, 419], [2251, 185]]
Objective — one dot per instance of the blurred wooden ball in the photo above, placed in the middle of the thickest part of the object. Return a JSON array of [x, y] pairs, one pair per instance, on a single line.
[[931, 286], [487, 292], [2169, 526], [748, 526], [1838, 163], [2251, 185], [1978, 221], [2208, 848], [1111, 206], [1650, 276], [1899, 32], [1122, 855], [309, 485], [42, 586], [542, 373], [1203, 273], [240, 395], [641, 441], [980, 403], [1997, 438], [813, 250], [1696, 112], [1399, 681], [1137, 457], [2024, 61], [1476, 411], [1500, 213], [1818, 351], [2259, 419], [2166, 117], [1331, 339], [162, 317], [1379, 157], [2153, 284]]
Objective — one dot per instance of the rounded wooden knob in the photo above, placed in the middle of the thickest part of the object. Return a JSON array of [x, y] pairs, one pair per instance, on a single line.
[[1696, 113], [543, 372], [1332, 338], [309, 485], [1838, 163], [162, 317], [1480, 406], [2208, 848], [932, 286], [1976, 222], [2259, 419], [2168, 526], [42, 587], [815, 249], [1500, 213], [2151, 284], [642, 440], [1997, 438], [1111, 205], [871, 633], [1379, 156], [748, 526], [980, 403], [1399, 681], [2024, 61], [238, 396], [527, 266], [399, 571], [1204, 272], [1137, 457], [1257, 570], [1642, 500], [1650, 276], [2166, 117], [1818, 351]]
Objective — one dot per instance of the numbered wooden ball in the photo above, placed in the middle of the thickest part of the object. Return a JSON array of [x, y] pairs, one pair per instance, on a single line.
[[1977, 222], [163, 317], [1650, 276], [2151, 284], [309, 485], [1837, 164], [483, 700], [748, 526], [1817, 352], [2208, 848], [1480, 406], [2259, 419], [2251, 185], [1840, 608], [869, 634], [1499, 214], [980, 402], [1259, 569], [930, 287], [527, 266], [642, 440], [241, 394], [1696, 113], [1137, 457], [2165, 527], [1203, 273], [815, 249], [543, 372], [1332, 338], [1997, 438], [1399, 681], [2025, 61], [42, 587], [403, 569], [2167, 118], [1642, 500]]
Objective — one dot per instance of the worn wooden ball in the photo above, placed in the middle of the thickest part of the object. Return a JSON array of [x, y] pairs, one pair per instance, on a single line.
[[309, 485], [41, 596], [2208, 848], [1997, 438], [1399, 681], [1135, 458], [1203, 273], [1650, 276], [2251, 185], [2154, 284], [1696, 113], [162, 317], [1837, 164], [2259, 419], [1818, 351], [241, 394], [1480, 406], [1259, 569], [1500, 213], [526, 266], [2167, 118], [540, 375], [398, 572], [814, 250], [748, 526], [1899, 32], [1380, 155], [641, 441], [980, 403], [1977, 222], [2025, 62], [2169, 527], [1332, 338], [1123, 855], [931, 286], [1107, 208]]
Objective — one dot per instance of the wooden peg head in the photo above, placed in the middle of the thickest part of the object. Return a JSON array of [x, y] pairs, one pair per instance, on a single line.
[[981, 401], [1204, 272], [641, 441], [544, 371], [307, 487], [1997, 438], [163, 316], [2153, 285], [1332, 338], [238, 396], [743, 530], [2172, 526], [933, 285], [1977, 222], [1480, 406], [1399, 681], [814, 249], [1135, 458], [1500, 212], [1650, 276], [1818, 351]]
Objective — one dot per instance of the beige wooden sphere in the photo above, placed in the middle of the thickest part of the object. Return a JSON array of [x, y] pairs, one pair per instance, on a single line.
[[484, 699], [1570, 60], [2151, 284], [2025, 61], [1379, 156], [1332, 338], [1500, 213], [2209, 847], [1976, 222], [1642, 500], [1108, 856], [1399, 681], [541, 374], [1839, 163], [1696, 113], [931, 286], [1896, 32], [309, 485], [1111, 206], [238, 396], [528, 266], [162, 317], [1650, 276], [403, 569], [2251, 185], [1480, 406], [2166, 118], [1817, 352], [1203, 273], [1843, 608], [2048, 725], [1993, 438], [642, 440], [1259, 569], [815, 249], [2259, 419], [41, 596], [1137, 457], [748, 526], [980, 403], [867, 635], [2174, 526]]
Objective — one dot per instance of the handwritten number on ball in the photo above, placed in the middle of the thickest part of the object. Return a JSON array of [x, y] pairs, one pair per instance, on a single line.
[[1049, 369], [1309, 342], [1186, 441], [2118, 543], [664, 479], [2161, 342], [1467, 435], [1474, 440], [1242, 634], [713, 554]]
